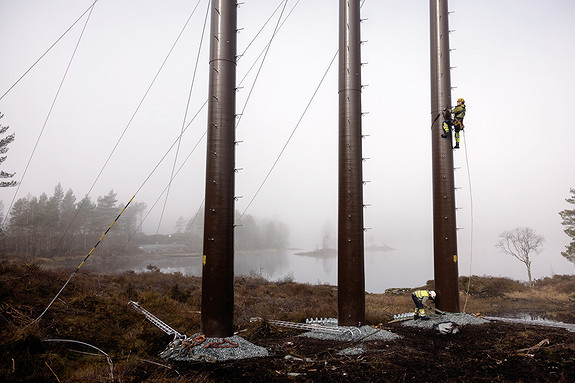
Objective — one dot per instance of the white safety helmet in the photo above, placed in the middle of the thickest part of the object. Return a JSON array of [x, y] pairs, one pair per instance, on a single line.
[[432, 294]]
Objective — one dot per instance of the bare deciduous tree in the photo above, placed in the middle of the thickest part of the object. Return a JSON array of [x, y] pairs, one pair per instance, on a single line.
[[522, 243]]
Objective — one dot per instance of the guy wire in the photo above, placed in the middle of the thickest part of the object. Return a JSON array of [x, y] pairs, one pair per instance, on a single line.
[[185, 115], [84, 261]]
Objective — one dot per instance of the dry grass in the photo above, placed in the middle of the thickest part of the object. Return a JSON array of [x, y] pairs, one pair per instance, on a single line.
[[94, 309]]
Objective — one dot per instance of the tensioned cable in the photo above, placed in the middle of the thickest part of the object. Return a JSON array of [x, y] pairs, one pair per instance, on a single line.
[[141, 102], [167, 187], [110, 227], [297, 125], [291, 135], [260, 31], [49, 114], [49, 49], [149, 211], [84, 261], [268, 46], [119, 215], [127, 126], [265, 48], [141, 186], [185, 116]]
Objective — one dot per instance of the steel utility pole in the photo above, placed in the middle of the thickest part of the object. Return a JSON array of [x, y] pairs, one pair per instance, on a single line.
[[218, 259], [444, 225], [351, 273]]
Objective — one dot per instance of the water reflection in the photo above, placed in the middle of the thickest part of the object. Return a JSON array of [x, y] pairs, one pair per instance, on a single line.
[[383, 269]]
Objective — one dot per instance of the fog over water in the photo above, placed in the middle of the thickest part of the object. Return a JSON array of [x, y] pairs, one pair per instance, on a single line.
[[381, 267], [512, 63]]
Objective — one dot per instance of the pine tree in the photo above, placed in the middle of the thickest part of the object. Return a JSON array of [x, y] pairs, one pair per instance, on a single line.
[[568, 216], [4, 142]]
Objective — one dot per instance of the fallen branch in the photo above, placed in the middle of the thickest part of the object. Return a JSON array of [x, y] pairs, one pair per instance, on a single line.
[[534, 348]]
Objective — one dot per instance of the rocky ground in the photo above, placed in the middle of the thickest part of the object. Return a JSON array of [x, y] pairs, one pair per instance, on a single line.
[[490, 352], [91, 335]]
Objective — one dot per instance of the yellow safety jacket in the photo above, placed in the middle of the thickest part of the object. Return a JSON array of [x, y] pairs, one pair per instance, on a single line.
[[421, 294], [459, 111]]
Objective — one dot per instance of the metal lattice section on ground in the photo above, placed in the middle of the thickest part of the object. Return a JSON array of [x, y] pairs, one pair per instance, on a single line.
[[156, 321], [352, 333]]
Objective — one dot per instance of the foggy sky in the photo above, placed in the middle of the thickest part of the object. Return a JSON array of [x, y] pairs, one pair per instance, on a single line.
[[513, 65]]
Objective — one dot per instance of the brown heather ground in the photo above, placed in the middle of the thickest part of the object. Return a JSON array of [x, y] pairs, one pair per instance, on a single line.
[[93, 309]]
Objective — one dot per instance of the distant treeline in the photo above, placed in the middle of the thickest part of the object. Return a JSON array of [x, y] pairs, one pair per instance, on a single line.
[[55, 225]]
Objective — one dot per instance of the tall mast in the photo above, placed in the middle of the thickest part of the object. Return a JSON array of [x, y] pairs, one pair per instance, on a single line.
[[218, 256], [444, 226], [351, 274]]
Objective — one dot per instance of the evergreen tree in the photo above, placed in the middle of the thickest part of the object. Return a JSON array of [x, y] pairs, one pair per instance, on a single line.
[[568, 216], [20, 227], [4, 142], [84, 225], [129, 222], [104, 215], [180, 225], [67, 215]]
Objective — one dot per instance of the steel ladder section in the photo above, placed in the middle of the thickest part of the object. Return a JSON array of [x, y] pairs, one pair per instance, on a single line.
[[155, 320]]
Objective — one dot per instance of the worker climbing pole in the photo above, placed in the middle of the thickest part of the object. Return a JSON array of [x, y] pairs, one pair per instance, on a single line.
[[351, 273], [444, 226], [218, 256], [455, 122]]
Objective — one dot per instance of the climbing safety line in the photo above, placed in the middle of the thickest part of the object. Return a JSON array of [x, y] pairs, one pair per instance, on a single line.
[[471, 214]]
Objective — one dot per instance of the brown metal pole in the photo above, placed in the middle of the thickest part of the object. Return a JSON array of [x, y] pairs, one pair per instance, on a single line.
[[218, 259], [444, 225], [351, 274]]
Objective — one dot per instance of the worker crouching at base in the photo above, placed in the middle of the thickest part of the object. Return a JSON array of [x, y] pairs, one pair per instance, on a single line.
[[418, 297]]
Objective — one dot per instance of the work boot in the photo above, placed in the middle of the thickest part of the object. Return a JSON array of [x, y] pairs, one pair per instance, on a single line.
[[456, 145]]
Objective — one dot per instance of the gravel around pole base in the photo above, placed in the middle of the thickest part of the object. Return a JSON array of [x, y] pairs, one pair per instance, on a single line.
[[462, 319], [354, 334], [180, 350]]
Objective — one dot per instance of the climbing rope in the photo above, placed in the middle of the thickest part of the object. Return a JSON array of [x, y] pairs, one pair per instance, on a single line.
[[471, 214]]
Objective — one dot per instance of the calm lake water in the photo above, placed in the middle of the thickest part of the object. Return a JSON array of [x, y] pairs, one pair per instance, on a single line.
[[383, 269]]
